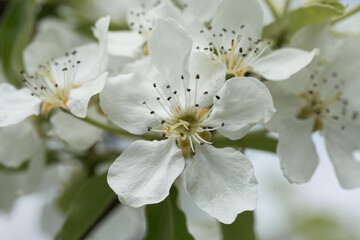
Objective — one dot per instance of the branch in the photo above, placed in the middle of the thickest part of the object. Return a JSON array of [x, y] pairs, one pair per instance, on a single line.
[[347, 14]]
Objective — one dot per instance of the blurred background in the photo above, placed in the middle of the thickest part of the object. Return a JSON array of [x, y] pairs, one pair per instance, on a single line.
[[317, 210]]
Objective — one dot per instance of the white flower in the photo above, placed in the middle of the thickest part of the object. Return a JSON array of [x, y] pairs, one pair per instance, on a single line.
[[140, 17], [325, 99], [85, 135], [68, 82], [188, 100], [235, 39]]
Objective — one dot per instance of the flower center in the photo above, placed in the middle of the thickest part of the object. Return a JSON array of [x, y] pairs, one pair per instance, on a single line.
[[323, 101], [140, 20], [182, 118], [234, 49], [53, 82]]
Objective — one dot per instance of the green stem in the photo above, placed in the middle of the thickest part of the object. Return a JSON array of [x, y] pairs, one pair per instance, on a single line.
[[104, 126], [286, 7], [347, 14], [273, 9]]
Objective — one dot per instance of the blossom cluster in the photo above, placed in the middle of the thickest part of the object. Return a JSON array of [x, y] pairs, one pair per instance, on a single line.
[[180, 76]]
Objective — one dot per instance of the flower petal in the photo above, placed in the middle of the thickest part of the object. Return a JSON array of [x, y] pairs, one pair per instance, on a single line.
[[296, 150], [16, 105], [221, 182], [211, 77], [200, 224], [125, 43], [281, 64], [203, 10], [145, 171], [244, 102], [79, 97], [85, 135], [340, 145], [122, 101], [169, 48], [233, 13], [18, 143], [54, 37]]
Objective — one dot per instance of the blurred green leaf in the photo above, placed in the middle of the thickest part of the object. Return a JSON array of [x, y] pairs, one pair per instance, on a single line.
[[241, 228], [72, 185], [282, 29], [165, 221], [91, 201], [16, 29], [255, 140]]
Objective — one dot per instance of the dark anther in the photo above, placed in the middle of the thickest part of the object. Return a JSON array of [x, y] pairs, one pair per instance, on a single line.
[[74, 52], [152, 112], [201, 143], [196, 105], [189, 90], [222, 124], [217, 97], [163, 121], [310, 92], [206, 92], [22, 72], [181, 134], [169, 98], [182, 77], [144, 102], [158, 98], [78, 62], [154, 84], [168, 86], [64, 69], [197, 76], [56, 85], [149, 129], [164, 134], [175, 92]]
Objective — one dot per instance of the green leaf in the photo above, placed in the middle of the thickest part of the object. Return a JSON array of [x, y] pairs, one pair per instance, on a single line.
[[241, 228], [255, 140], [282, 29], [71, 186], [16, 29], [166, 221], [91, 201]]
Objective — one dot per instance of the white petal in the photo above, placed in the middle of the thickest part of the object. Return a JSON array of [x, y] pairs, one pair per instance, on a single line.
[[79, 97], [85, 135], [286, 103], [91, 63], [212, 77], [54, 37], [200, 224], [122, 101], [101, 33], [203, 10], [296, 150], [169, 48], [340, 145], [18, 143], [145, 171], [16, 105], [244, 102], [125, 43], [234, 13], [221, 182], [281, 64], [319, 34]]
